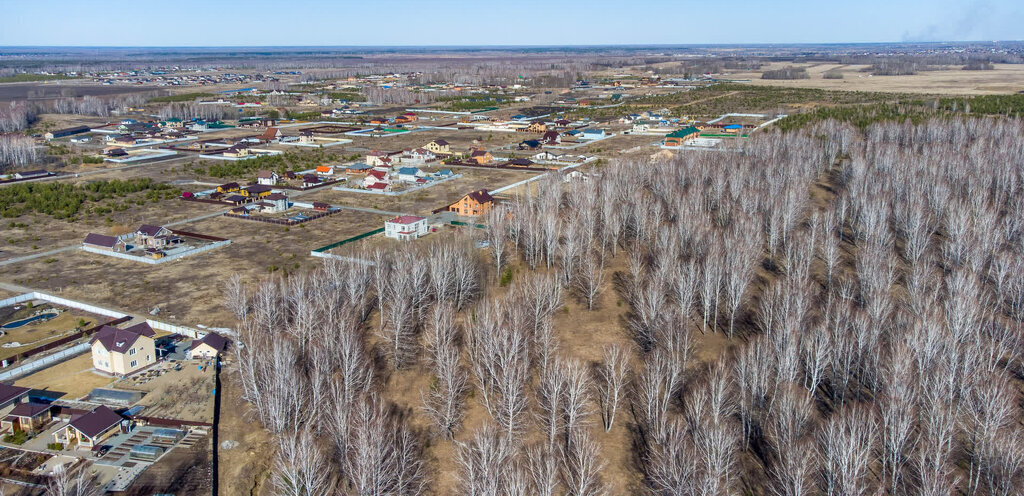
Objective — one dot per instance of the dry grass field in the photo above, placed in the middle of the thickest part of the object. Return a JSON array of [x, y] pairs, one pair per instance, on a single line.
[[184, 394], [1004, 79], [74, 377]]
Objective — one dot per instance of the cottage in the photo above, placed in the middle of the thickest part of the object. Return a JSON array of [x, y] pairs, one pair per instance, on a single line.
[[209, 346], [405, 227], [520, 162], [378, 158], [551, 138], [677, 138], [277, 202], [256, 191], [529, 145], [310, 180], [236, 199], [593, 133], [418, 155], [123, 351], [481, 157], [357, 168], [11, 397], [270, 135], [321, 206], [732, 128], [473, 204], [375, 176], [228, 188], [28, 417], [155, 236], [409, 174], [103, 242], [266, 177], [537, 127], [236, 151], [381, 187], [439, 147], [325, 170], [90, 429]]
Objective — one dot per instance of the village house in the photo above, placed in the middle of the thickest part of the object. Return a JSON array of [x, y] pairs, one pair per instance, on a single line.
[[325, 170], [593, 134], [481, 157], [378, 158], [310, 180], [104, 242], [418, 156], [439, 147], [270, 135], [537, 127], [551, 138], [529, 145], [238, 150], [11, 397], [90, 429], [228, 188], [409, 174], [380, 187], [30, 417], [151, 236], [473, 204], [123, 351], [405, 227], [357, 168], [677, 138], [375, 177], [209, 346], [277, 202], [256, 191], [266, 177]]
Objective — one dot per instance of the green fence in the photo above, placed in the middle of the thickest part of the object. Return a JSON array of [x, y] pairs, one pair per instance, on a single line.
[[349, 240], [460, 223]]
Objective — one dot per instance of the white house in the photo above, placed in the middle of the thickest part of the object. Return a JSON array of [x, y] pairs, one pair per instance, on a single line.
[[267, 177], [546, 156], [405, 227], [593, 133], [417, 156], [278, 202]]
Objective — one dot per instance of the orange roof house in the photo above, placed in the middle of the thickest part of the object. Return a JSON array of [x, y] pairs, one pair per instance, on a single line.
[[476, 203], [481, 157]]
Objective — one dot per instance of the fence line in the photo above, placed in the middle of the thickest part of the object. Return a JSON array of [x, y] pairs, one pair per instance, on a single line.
[[348, 240], [44, 362], [341, 257], [177, 329], [152, 261]]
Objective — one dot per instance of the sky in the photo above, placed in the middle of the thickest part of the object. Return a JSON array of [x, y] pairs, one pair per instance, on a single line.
[[522, 22]]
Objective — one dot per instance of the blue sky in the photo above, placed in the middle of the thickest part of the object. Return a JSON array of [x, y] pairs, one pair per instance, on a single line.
[[523, 22]]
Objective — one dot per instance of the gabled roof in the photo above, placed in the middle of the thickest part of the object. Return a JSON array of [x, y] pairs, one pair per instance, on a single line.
[[117, 340], [29, 410], [228, 186], [478, 153], [258, 188], [324, 168], [149, 229], [270, 133], [100, 240], [408, 170], [214, 340], [406, 219], [266, 174], [10, 393], [276, 197], [378, 174], [440, 142], [682, 133], [481, 196], [96, 422]]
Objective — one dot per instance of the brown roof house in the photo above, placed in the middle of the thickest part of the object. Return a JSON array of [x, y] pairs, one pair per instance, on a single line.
[[103, 242], [473, 204], [481, 157], [29, 417], [10, 397], [209, 346], [123, 351], [90, 429]]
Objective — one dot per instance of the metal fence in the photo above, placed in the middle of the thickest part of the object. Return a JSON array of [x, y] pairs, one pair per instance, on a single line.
[[349, 240], [44, 362], [155, 261]]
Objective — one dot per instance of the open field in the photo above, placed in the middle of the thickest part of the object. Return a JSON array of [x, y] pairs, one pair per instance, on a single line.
[[75, 377], [1004, 79]]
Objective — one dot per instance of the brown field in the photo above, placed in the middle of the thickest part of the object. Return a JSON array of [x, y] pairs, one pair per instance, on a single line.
[[1004, 79], [188, 290], [184, 394], [74, 377]]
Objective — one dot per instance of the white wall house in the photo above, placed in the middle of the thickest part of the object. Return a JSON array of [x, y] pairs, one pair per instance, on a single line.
[[405, 227]]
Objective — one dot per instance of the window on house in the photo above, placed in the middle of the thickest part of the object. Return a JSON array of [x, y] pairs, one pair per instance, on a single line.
[[135, 363], [131, 351], [147, 358]]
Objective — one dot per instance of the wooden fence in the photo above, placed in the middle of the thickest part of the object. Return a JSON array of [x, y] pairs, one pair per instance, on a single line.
[[283, 222]]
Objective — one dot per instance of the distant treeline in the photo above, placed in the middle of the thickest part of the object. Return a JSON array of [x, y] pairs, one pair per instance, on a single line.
[[786, 73], [66, 200]]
